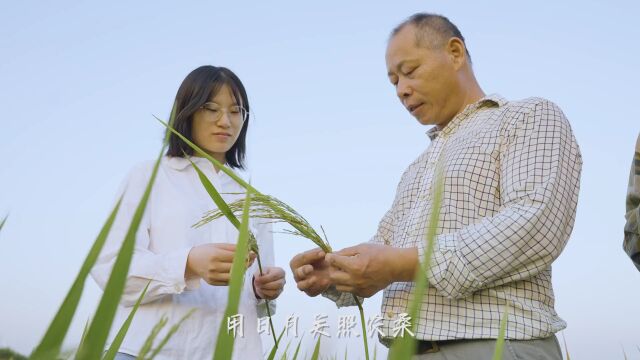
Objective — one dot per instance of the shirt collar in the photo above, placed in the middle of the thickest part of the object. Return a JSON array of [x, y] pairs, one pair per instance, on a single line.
[[180, 164], [491, 99]]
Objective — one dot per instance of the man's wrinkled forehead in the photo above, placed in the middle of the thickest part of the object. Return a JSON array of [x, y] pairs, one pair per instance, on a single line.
[[401, 47]]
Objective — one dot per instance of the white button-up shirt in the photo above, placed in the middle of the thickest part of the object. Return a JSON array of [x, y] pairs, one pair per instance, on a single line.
[[178, 200]]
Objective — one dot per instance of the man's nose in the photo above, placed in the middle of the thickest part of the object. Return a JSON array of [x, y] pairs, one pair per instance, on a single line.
[[403, 90]]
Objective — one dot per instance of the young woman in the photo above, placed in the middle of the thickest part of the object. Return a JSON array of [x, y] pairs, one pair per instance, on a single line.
[[189, 267]]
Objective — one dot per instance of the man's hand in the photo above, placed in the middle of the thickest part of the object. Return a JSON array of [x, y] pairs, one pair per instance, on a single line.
[[368, 268], [212, 262], [311, 272], [269, 285]]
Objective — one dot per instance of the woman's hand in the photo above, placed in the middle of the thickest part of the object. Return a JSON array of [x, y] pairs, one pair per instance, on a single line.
[[212, 263], [269, 285]]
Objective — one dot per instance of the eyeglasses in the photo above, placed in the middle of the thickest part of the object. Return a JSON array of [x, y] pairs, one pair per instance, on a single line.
[[236, 114]]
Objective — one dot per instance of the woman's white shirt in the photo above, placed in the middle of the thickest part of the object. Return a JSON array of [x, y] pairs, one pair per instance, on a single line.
[[177, 201]]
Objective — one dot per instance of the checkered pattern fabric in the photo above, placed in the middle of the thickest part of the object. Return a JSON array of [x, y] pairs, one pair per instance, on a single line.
[[511, 173]]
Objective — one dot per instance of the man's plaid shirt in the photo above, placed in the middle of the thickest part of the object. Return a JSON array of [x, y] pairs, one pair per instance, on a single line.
[[511, 181]]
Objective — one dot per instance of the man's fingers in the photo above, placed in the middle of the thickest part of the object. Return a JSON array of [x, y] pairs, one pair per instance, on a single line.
[[349, 251], [339, 277], [307, 257], [341, 261], [345, 288], [302, 272]]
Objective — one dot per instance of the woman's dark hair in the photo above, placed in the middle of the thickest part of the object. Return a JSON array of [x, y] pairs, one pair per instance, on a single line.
[[196, 89]]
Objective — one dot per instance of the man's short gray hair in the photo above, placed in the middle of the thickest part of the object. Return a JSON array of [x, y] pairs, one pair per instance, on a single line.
[[433, 30]]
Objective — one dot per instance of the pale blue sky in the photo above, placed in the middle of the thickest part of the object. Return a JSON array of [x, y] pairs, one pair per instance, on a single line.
[[79, 82]]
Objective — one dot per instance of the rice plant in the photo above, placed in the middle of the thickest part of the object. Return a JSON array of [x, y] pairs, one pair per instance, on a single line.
[[497, 354], [117, 341], [269, 207], [404, 347], [50, 345], [225, 341], [253, 243]]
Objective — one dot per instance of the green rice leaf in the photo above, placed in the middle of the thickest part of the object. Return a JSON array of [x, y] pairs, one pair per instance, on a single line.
[[221, 204], [51, 342], [364, 327], [228, 213], [84, 332], [215, 162], [405, 347], [3, 221], [497, 354], [295, 354], [151, 338], [225, 340], [316, 350], [286, 350], [103, 319], [274, 349], [170, 334], [215, 195], [117, 341]]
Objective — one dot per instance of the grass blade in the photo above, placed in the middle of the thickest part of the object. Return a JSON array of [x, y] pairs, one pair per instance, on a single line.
[[101, 323], [215, 162], [316, 350], [405, 347], [170, 334], [215, 195], [225, 341], [117, 341], [295, 354], [84, 332], [497, 354], [228, 213], [51, 342], [364, 327], [566, 349], [151, 338], [274, 349], [3, 221]]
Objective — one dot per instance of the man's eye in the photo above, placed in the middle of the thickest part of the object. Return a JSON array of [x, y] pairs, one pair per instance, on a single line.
[[411, 71]]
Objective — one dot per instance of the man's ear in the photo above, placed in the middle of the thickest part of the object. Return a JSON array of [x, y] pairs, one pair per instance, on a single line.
[[457, 52]]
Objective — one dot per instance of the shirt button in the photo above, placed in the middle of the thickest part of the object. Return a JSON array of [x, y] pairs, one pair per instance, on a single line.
[[389, 315]]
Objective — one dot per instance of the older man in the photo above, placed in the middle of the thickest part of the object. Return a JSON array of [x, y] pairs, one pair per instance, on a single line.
[[511, 173], [632, 227]]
